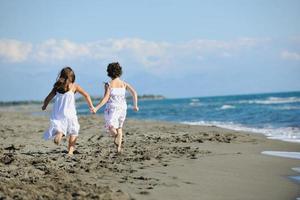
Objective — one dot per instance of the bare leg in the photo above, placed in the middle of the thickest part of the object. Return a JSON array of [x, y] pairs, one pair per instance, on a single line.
[[114, 133], [57, 137], [72, 142], [119, 139]]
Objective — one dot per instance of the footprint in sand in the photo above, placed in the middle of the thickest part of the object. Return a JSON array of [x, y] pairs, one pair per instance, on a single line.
[[7, 159]]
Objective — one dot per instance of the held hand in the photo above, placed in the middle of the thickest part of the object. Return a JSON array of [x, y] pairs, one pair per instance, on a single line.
[[93, 110], [136, 109]]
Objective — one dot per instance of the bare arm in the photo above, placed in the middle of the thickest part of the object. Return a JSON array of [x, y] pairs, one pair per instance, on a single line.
[[134, 95], [86, 97], [48, 99], [104, 99]]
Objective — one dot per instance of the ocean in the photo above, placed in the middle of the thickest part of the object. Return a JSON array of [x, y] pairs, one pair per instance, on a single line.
[[277, 115]]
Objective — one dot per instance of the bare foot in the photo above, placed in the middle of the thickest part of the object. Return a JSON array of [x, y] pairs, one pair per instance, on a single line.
[[71, 151], [119, 150], [57, 138]]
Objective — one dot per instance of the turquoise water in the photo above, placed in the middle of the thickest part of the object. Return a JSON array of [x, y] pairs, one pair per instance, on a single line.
[[276, 115]]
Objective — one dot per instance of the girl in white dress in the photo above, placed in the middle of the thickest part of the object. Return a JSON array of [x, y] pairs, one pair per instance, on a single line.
[[63, 120], [115, 100]]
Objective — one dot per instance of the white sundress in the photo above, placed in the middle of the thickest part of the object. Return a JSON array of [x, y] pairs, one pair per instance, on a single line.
[[63, 117], [116, 108]]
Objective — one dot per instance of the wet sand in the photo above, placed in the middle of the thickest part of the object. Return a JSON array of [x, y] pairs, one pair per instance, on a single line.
[[160, 161]]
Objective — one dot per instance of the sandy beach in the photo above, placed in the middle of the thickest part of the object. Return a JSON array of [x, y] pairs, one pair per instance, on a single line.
[[160, 160]]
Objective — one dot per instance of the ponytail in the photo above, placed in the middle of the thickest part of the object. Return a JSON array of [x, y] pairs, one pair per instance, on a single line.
[[65, 77]]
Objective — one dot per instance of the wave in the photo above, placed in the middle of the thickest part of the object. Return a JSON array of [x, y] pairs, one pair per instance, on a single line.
[[194, 100], [272, 100], [195, 104], [288, 134], [296, 169], [225, 107], [285, 154], [287, 108]]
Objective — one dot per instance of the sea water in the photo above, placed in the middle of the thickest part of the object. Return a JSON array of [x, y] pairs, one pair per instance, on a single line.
[[277, 115]]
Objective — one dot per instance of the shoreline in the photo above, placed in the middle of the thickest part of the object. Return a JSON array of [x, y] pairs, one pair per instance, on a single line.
[[161, 160], [34, 109]]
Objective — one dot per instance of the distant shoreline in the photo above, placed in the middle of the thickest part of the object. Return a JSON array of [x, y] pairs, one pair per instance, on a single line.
[[146, 97], [80, 99]]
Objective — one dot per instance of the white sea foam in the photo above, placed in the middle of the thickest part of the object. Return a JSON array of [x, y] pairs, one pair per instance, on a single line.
[[285, 154], [286, 139], [288, 134], [225, 107], [195, 104], [272, 100], [195, 100], [296, 169], [287, 108]]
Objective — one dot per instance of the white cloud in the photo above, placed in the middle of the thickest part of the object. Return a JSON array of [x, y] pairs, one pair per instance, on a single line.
[[14, 50], [59, 50], [287, 55], [146, 52], [150, 54], [220, 47]]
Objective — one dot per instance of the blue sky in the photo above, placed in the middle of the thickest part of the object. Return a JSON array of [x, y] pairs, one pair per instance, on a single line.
[[175, 48]]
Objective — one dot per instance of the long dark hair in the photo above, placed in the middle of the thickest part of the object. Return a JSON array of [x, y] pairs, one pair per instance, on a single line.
[[64, 78]]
